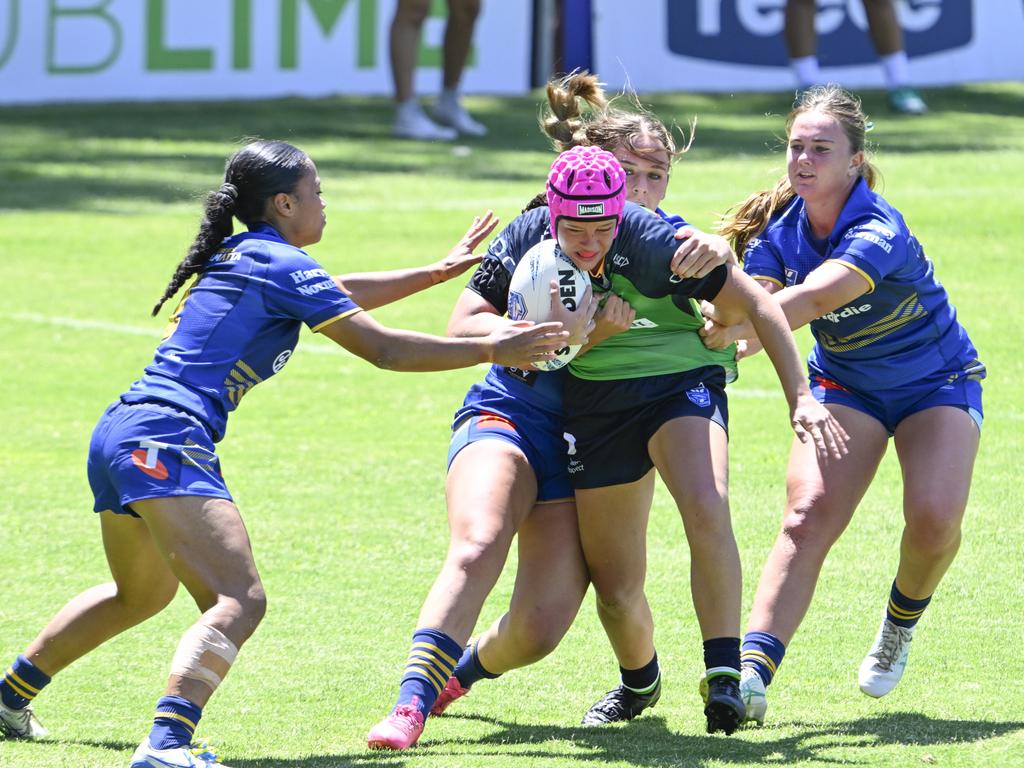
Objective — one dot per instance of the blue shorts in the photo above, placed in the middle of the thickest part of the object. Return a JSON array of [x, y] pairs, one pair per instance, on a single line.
[[151, 451], [891, 406], [613, 421], [545, 449]]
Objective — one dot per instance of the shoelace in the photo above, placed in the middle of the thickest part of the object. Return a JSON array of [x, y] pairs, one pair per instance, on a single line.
[[22, 720], [610, 704], [892, 643], [404, 718]]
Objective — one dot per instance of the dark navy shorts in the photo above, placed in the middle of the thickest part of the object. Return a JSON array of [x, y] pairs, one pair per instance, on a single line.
[[544, 446], [891, 406], [613, 421], [151, 451]]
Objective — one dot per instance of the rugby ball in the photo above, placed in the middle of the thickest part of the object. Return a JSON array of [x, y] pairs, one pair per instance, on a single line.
[[529, 296]]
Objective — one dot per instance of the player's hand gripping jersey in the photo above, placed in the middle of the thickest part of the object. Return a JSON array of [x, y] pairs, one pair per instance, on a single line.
[[663, 338], [902, 329], [237, 326]]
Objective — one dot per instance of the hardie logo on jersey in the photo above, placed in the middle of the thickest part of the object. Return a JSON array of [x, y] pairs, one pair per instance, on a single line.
[[590, 209], [835, 317], [699, 396], [643, 322], [620, 261], [751, 31]]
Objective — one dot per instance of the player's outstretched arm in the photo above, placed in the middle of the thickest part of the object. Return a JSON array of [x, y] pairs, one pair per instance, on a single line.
[[741, 296], [375, 289], [513, 344]]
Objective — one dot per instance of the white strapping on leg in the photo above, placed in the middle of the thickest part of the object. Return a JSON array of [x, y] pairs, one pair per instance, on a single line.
[[204, 654]]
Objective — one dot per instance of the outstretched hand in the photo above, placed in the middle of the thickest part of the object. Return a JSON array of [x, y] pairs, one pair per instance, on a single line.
[[579, 322], [813, 421], [521, 344], [461, 256]]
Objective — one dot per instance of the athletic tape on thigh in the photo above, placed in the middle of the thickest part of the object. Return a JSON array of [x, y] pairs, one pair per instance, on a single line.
[[204, 654]]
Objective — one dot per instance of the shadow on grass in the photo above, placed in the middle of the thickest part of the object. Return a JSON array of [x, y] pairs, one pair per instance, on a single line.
[[649, 743], [75, 156]]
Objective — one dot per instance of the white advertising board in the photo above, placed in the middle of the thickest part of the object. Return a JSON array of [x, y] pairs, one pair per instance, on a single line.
[[105, 50], [737, 45]]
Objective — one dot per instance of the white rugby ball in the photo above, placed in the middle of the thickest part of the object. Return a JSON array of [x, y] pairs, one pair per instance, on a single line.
[[529, 296]]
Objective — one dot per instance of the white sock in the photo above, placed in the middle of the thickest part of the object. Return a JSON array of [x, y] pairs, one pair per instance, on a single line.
[[897, 73], [807, 70], [448, 98]]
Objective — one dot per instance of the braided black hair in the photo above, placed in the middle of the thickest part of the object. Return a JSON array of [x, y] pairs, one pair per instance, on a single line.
[[254, 174]]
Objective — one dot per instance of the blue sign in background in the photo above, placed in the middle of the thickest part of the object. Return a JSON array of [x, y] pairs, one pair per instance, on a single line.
[[847, 45]]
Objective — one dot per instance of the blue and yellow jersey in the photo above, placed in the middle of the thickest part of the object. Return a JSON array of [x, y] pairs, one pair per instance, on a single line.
[[903, 328], [238, 324]]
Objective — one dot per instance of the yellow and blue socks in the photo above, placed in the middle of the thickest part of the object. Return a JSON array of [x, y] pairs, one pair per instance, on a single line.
[[722, 657], [432, 660], [762, 652], [21, 683], [902, 610], [174, 723], [469, 669], [644, 680]]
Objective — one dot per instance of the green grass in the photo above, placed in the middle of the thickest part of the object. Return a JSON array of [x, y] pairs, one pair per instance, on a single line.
[[339, 468]]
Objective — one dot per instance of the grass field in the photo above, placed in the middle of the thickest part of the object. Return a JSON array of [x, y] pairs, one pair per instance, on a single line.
[[339, 468]]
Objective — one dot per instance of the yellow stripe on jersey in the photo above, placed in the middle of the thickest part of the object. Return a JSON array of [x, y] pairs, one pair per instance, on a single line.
[[909, 309], [316, 328], [770, 280], [248, 371], [859, 271]]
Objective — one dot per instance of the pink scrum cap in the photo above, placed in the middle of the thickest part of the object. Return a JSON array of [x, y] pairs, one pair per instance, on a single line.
[[586, 183]]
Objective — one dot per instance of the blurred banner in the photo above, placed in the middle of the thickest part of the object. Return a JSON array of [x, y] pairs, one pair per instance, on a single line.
[[737, 45], [107, 50]]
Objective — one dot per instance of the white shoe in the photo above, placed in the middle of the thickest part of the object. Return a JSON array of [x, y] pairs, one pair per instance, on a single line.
[[197, 756], [753, 693], [883, 667], [20, 723], [451, 113], [412, 123]]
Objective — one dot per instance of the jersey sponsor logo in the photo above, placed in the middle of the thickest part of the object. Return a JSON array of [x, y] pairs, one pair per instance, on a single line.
[[575, 465], [147, 461], [865, 233], [643, 322], [280, 360], [570, 439], [751, 31], [792, 276], [516, 305], [620, 261], [835, 317], [224, 255], [302, 275], [590, 209], [527, 377], [699, 396], [315, 288]]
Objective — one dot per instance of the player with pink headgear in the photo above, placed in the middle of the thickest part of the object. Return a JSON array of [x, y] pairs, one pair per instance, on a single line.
[[508, 470]]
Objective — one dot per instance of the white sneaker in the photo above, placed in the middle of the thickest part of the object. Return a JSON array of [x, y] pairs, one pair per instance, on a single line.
[[412, 123], [20, 723], [754, 696], [196, 756], [883, 667], [452, 114]]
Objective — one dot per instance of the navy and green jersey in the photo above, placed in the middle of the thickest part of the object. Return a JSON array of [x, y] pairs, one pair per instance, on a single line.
[[902, 329], [238, 324], [539, 389], [663, 339]]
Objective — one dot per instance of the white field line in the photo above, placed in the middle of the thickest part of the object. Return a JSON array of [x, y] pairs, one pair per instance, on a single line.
[[78, 324]]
